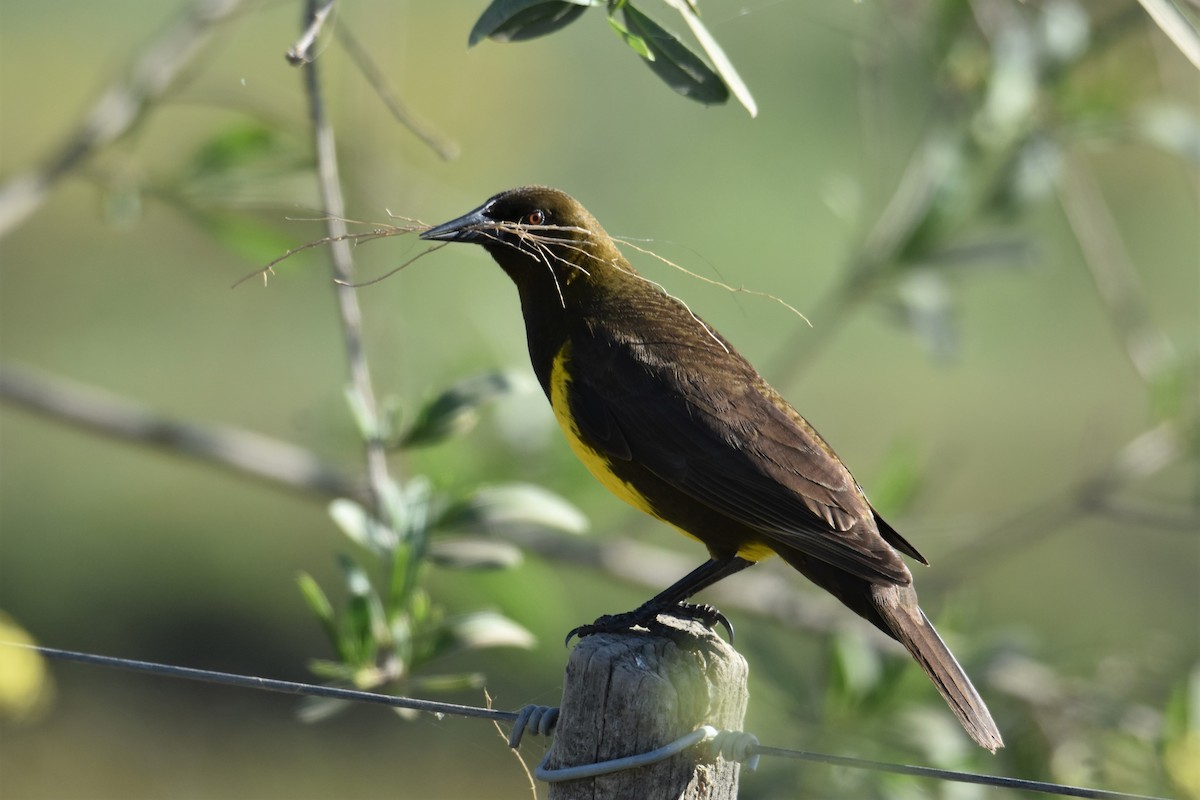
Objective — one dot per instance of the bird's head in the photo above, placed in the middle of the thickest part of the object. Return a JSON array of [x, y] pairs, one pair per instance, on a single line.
[[543, 238]]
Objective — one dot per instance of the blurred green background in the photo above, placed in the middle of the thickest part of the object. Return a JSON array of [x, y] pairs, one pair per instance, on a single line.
[[976, 382]]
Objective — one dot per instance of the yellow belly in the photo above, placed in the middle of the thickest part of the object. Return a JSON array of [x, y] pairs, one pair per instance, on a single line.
[[597, 464]]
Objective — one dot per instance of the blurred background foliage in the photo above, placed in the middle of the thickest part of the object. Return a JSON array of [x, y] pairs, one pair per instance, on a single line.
[[988, 211]]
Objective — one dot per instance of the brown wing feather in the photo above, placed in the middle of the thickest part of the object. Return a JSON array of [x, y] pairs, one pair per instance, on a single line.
[[701, 419]]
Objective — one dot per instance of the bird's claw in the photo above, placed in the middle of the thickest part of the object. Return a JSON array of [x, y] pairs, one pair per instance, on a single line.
[[610, 623], [706, 615]]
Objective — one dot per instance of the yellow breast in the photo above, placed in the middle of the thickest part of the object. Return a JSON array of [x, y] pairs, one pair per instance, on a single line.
[[596, 463]]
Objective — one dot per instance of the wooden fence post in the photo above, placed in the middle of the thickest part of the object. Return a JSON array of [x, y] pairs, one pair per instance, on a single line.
[[629, 693]]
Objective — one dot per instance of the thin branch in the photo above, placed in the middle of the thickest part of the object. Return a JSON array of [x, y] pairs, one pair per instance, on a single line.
[[1112, 271], [905, 210], [361, 390], [119, 109], [1145, 455], [1178, 28], [234, 449], [292, 467], [773, 594], [445, 148]]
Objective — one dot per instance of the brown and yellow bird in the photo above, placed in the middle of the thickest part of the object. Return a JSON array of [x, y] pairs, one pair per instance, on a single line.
[[674, 421]]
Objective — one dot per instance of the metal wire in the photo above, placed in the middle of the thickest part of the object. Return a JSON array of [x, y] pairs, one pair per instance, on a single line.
[[539, 719], [269, 684]]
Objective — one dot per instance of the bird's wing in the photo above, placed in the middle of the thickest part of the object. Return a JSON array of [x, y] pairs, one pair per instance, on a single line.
[[731, 443]]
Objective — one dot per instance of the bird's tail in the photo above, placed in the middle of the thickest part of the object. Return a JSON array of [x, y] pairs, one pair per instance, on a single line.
[[897, 605]]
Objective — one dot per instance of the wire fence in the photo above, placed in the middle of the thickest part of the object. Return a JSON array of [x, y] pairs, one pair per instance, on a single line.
[[440, 709]]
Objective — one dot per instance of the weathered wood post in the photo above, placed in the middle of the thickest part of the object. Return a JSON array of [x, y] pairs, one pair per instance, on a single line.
[[630, 693]]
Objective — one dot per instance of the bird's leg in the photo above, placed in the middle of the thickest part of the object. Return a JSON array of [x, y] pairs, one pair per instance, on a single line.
[[670, 601]]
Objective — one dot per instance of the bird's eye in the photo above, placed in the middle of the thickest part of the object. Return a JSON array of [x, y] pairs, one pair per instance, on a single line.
[[535, 217]]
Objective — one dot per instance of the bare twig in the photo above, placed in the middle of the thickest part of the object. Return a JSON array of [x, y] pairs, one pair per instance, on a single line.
[[292, 467], [118, 109], [242, 451], [905, 210], [1112, 271], [1178, 28], [772, 594], [444, 147], [1145, 455], [362, 392]]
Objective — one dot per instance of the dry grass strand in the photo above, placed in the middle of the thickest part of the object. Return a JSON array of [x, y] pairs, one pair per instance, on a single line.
[[714, 282], [379, 231], [517, 753]]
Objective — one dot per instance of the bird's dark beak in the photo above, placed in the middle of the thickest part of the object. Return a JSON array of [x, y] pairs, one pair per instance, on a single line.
[[468, 228]]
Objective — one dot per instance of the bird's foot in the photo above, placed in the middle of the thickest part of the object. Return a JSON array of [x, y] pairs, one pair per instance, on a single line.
[[611, 623], [646, 616]]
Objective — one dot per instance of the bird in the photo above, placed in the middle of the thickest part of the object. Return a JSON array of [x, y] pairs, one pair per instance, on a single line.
[[669, 417]]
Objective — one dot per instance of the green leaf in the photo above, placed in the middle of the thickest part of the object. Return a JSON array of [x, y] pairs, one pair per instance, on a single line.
[[673, 62], [1181, 735], [1173, 127], [399, 587], [248, 166], [518, 20], [414, 503], [403, 505], [421, 608], [353, 520], [361, 527], [250, 239], [414, 510], [447, 683], [486, 629], [636, 42], [1064, 31], [1182, 713], [407, 714], [855, 667], [331, 670], [474, 553], [514, 507], [364, 627], [456, 410], [319, 604], [356, 645], [234, 148], [317, 709], [716, 55], [370, 425]]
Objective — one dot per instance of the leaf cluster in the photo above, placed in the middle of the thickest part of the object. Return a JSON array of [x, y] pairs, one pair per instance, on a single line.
[[675, 63], [390, 630]]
